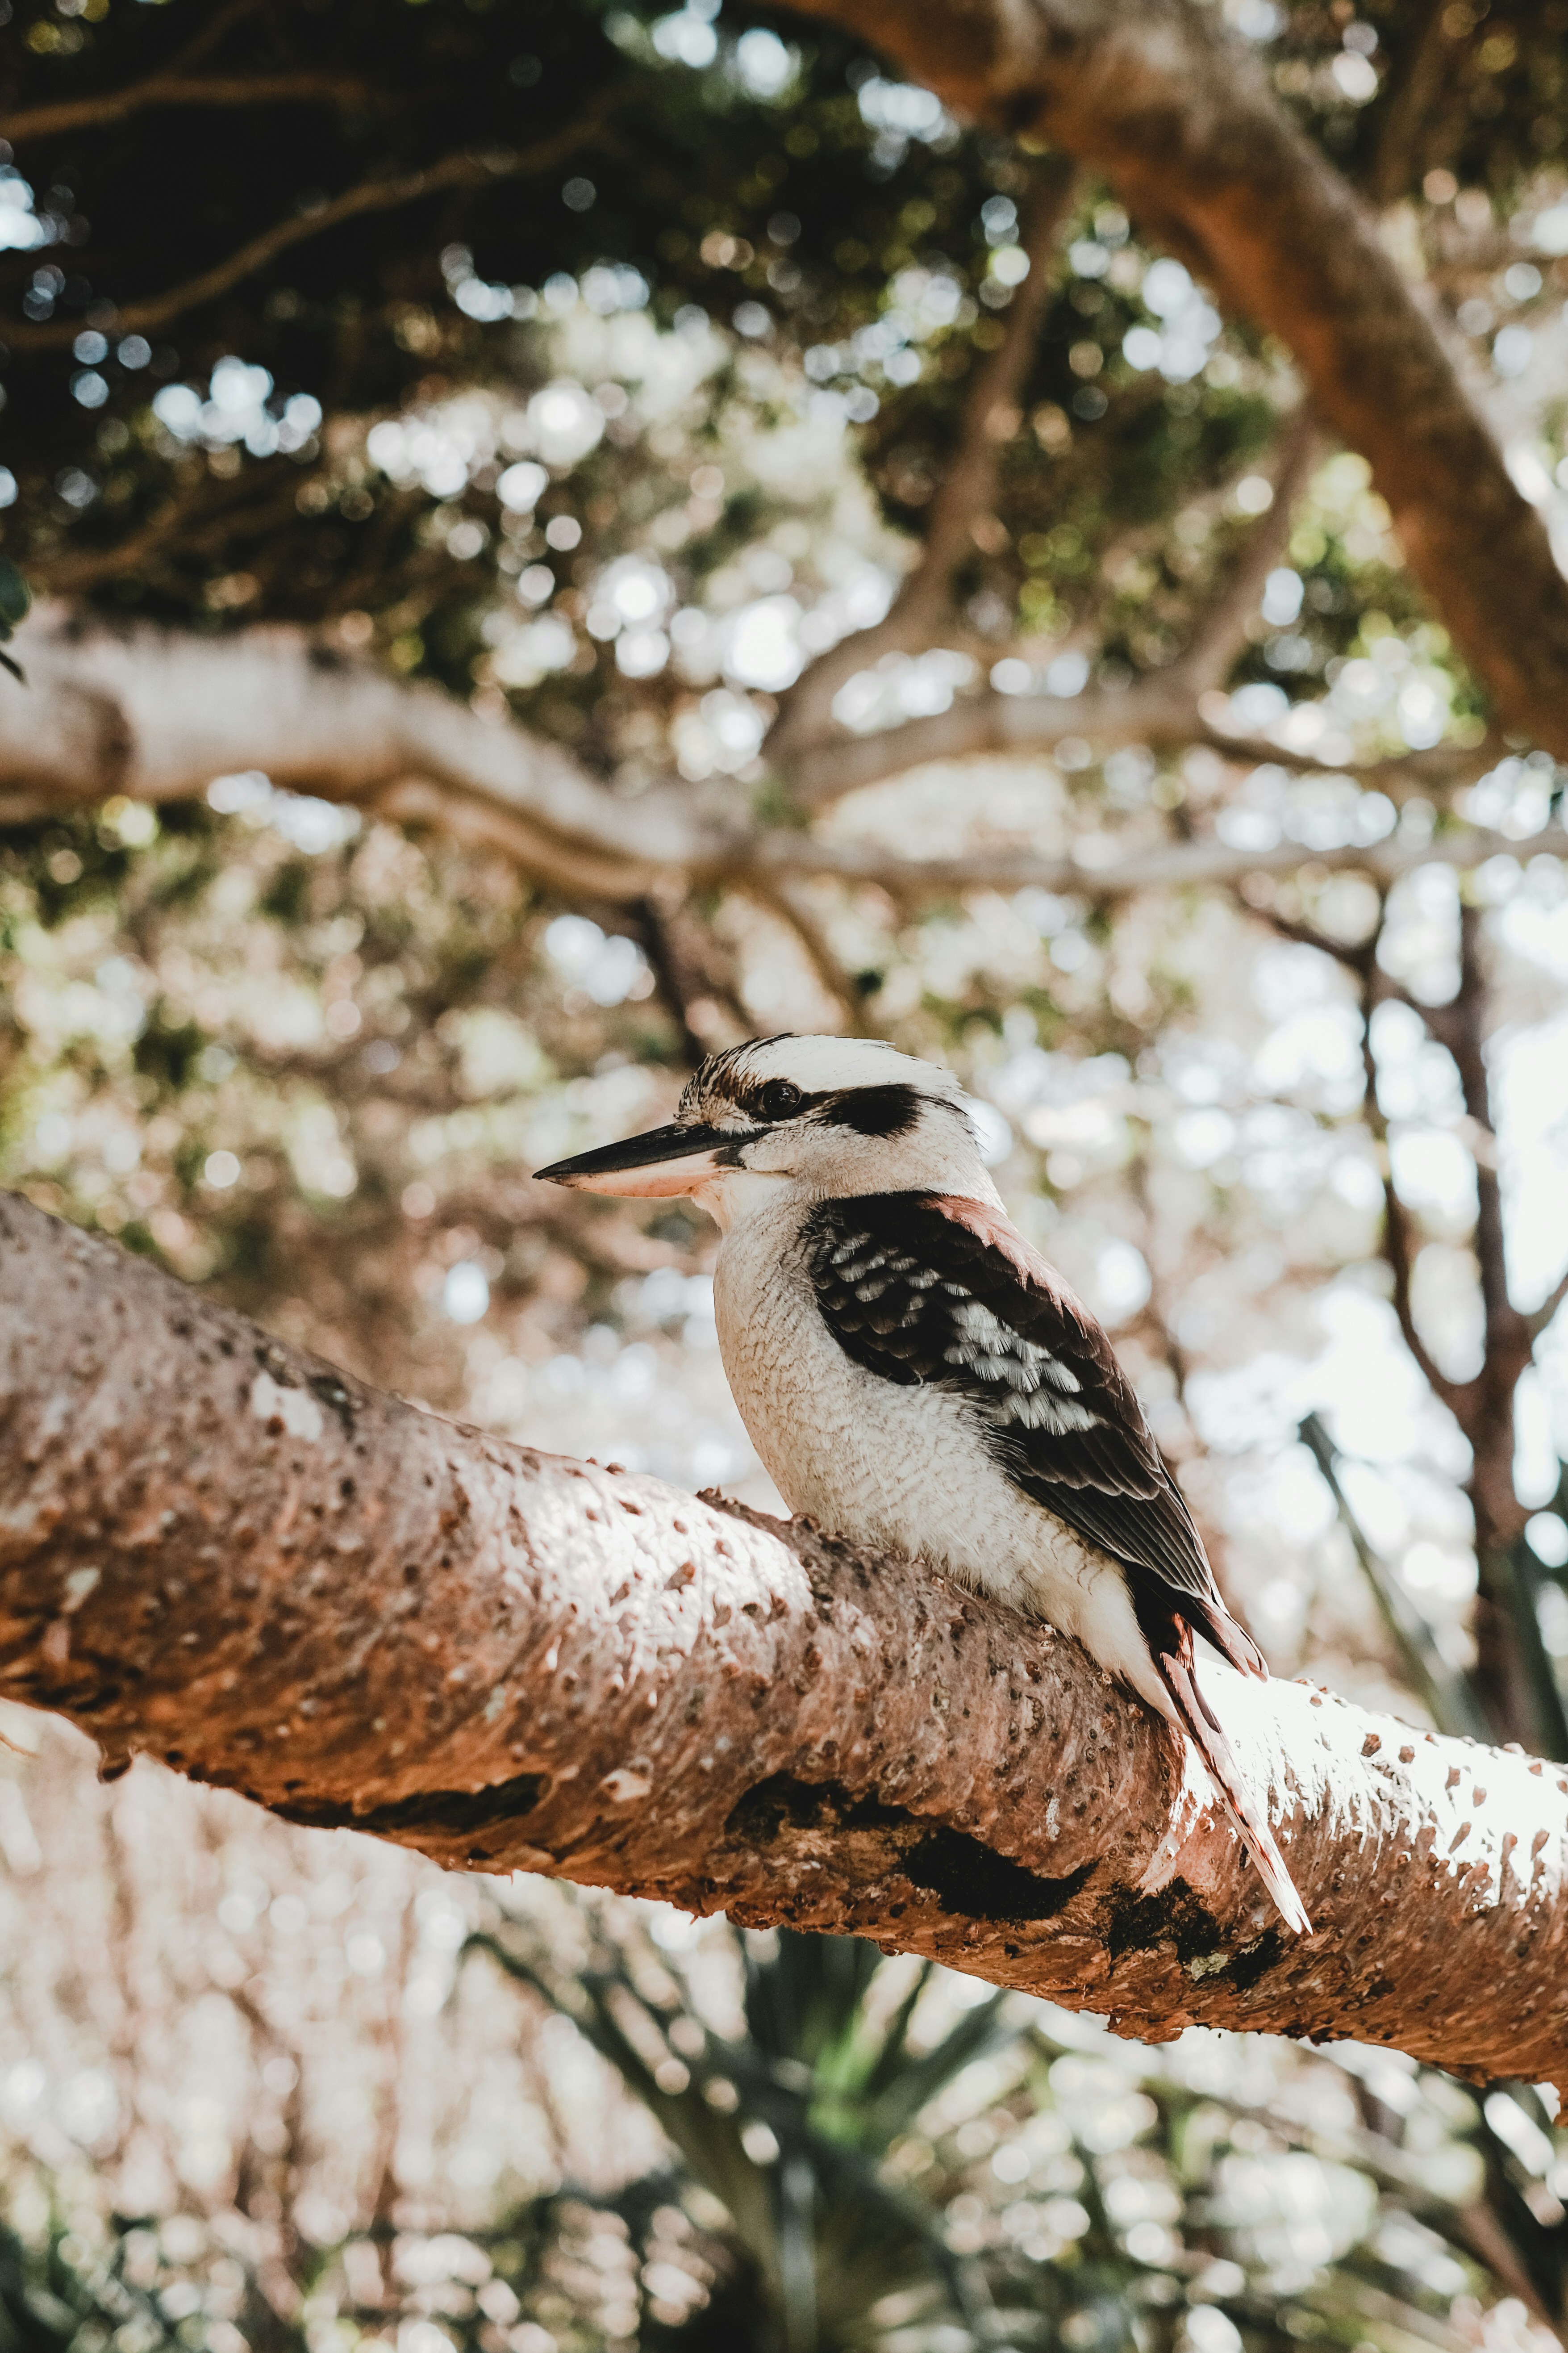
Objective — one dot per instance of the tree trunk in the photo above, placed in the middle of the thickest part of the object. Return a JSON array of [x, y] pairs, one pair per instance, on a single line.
[[222, 1552]]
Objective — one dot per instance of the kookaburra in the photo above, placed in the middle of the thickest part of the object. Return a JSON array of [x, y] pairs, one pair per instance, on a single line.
[[916, 1376]]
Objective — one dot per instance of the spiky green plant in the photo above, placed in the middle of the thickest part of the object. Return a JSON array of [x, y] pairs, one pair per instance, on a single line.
[[1007, 2180], [789, 2125]]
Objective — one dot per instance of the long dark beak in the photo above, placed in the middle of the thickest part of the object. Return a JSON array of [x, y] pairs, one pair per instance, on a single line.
[[665, 1162]]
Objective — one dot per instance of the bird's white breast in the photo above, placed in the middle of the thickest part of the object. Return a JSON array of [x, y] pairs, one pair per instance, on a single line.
[[881, 1463]]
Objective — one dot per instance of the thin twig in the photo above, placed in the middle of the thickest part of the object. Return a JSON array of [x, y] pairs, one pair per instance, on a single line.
[[1443, 1691], [463, 169], [1398, 1240], [301, 88], [1160, 711], [1206, 862], [1415, 84], [791, 907], [1220, 636], [991, 415], [211, 35], [967, 490], [185, 519], [1400, 776], [1542, 1315]]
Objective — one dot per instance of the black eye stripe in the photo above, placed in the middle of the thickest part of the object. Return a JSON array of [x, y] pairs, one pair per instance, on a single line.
[[875, 1111], [883, 1112]]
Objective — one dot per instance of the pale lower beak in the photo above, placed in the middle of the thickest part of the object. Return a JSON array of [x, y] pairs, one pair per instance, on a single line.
[[659, 1166]]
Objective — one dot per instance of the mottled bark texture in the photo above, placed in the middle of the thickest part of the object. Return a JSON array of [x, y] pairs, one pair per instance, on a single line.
[[225, 1554], [1178, 115]]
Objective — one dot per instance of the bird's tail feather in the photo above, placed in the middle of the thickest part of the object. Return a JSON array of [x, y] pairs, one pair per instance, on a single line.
[[1175, 1672]]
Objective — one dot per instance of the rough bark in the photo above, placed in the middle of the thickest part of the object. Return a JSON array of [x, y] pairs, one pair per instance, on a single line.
[[227, 1555], [1179, 117]]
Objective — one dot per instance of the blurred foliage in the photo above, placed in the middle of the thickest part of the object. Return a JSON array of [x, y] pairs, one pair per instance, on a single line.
[[879, 2158], [743, 168], [888, 2155], [788, 2127]]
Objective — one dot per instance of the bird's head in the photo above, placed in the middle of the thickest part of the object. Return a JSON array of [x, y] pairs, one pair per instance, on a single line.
[[827, 1118]]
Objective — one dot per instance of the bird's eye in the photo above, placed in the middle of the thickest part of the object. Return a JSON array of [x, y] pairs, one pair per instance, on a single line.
[[780, 1099]]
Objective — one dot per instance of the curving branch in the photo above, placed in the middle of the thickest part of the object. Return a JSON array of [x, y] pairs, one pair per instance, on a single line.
[[1221, 637], [1205, 863], [1540, 1317], [157, 716], [220, 1552], [298, 89], [464, 170], [1160, 710], [1180, 117], [968, 486]]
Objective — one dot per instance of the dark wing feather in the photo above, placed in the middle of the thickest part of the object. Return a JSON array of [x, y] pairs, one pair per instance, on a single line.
[[923, 1287]]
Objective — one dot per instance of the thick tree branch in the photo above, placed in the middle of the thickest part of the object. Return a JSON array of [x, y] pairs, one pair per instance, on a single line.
[[158, 715], [1157, 709], [222, 1553], [465, 170], [1180, 117]]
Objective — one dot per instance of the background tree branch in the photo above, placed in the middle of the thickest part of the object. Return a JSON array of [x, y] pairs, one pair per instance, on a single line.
[[224, 1553], [158, 715], [464, 169], [965, 493], [1180, 118], [298, 89]]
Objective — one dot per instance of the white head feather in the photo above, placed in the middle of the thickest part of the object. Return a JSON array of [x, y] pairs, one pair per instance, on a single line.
[[816, 1065], [815, 1118]]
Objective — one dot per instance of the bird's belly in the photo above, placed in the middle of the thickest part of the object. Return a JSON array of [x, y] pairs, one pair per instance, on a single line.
[[881, 1463]]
